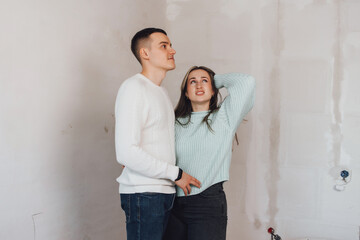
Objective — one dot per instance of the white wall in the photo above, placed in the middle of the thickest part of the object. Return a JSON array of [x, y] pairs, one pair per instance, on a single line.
[[61, 63]]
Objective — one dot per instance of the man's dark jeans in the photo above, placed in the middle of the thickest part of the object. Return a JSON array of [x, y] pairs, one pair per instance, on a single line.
[[146, 214], [199, 217]]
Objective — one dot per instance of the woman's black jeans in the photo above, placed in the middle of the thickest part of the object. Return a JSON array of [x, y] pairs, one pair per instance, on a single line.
[[199, 217]]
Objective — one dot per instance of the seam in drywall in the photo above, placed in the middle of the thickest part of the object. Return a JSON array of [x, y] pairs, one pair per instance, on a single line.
[[336, 89], [274, 128]]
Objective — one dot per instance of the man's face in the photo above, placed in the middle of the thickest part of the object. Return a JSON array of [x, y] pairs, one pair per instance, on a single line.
[[161, 53]]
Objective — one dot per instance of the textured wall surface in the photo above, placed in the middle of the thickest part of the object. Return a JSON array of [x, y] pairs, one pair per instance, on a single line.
[[62, 62]]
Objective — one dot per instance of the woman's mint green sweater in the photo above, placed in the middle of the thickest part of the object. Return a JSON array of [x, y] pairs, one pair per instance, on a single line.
[[206, 155]]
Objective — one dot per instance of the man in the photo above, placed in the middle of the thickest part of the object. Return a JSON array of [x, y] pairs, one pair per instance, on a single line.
[[144, 139]]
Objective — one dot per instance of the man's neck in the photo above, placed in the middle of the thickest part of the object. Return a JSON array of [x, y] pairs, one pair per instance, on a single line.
[[155, 76]]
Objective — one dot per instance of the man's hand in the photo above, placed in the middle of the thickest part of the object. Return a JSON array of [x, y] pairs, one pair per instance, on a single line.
[[185, 181]]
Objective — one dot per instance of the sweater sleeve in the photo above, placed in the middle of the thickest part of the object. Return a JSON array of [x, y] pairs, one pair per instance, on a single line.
[[130, 118], [241, 89]]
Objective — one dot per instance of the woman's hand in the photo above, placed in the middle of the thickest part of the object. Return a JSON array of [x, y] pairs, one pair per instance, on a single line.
[[185, 181]]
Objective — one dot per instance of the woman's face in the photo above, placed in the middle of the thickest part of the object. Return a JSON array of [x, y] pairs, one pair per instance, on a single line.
[[199, 90]]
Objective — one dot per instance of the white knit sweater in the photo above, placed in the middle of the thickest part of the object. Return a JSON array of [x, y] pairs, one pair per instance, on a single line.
[[144, 137]]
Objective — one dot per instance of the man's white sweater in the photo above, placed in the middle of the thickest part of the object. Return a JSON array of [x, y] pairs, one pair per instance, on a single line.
[[144, 137]]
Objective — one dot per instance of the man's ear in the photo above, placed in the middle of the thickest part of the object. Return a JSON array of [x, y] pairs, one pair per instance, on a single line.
[[144, 53]]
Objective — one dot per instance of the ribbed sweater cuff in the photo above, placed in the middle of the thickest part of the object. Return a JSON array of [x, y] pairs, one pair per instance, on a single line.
[[172, 172]]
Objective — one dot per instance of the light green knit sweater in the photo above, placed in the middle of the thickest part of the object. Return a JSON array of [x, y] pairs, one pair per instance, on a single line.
[[206, 155]]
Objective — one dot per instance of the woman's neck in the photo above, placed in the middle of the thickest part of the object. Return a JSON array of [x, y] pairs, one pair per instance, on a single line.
[[200, 107]]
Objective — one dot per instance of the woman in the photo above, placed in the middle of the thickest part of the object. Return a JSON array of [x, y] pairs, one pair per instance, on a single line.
[[204, 133]]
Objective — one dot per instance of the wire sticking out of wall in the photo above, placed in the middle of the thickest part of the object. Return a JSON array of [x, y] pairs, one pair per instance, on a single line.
[[343, 179], [273, 235]]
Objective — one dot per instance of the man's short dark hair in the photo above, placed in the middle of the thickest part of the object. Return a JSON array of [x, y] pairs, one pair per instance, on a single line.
[[141, 35]]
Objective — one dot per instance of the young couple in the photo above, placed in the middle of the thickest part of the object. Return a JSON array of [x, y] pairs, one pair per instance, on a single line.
[[191, 149]]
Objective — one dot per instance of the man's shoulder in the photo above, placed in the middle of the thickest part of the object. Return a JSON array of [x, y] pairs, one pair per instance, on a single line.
[[134, 83]]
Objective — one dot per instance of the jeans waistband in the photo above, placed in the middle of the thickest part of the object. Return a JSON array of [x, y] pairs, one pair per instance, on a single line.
[[214, 188]]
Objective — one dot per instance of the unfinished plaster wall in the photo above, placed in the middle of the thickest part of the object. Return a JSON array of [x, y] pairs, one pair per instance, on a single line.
[[61, 66], [304, 127]]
